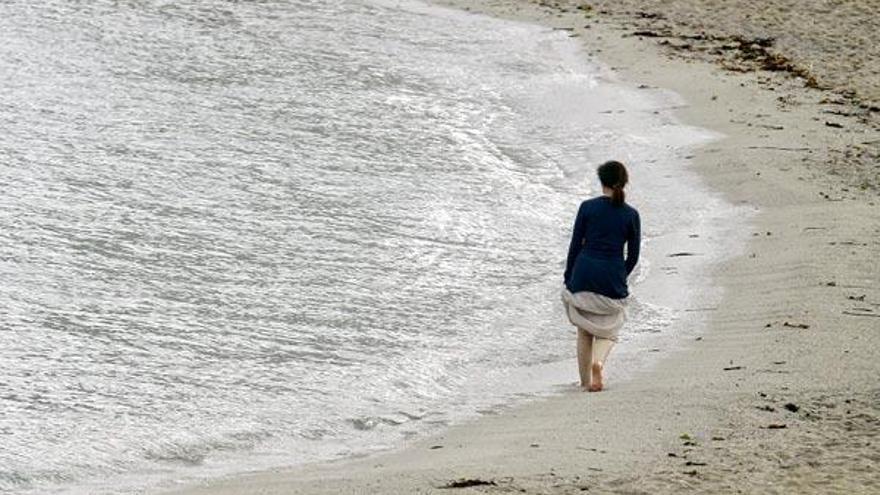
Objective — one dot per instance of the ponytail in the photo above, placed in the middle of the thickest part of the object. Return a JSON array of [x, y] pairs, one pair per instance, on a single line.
[[614, 176], [617, 195]]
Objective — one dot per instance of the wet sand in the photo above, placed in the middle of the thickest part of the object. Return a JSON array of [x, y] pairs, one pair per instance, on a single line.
[[779, 394]]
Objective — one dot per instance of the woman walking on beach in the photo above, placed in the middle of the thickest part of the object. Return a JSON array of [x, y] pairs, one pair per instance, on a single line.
[[595, 273]]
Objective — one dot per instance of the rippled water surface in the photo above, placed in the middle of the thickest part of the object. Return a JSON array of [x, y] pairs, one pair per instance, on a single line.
[[243, 234]]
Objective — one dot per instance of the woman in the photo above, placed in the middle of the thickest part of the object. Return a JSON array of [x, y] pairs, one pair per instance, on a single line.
[[595, 274]]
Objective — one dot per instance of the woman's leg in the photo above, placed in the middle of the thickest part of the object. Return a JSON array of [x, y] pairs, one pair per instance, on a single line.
[[601, 348], [585, 356]]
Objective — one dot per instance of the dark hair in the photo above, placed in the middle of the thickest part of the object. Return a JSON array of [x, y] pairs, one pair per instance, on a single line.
[[613, 175]]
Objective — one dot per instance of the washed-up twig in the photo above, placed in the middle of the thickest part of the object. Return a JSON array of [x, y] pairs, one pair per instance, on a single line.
[[852, 313], [652, 34], [778, 148], [802, 326], [466, 483]]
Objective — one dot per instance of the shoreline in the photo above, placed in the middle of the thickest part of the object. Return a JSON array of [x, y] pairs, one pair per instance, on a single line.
[[705, 415]]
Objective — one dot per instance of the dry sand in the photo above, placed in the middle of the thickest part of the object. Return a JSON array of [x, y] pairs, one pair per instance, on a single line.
[[834, 41], [781, 392]]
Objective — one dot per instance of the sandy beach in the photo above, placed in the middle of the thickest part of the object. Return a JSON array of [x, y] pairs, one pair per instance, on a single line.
[[779, 394]]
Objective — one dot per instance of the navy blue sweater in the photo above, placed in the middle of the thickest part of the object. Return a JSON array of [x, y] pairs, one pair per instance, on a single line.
[[595, 256]]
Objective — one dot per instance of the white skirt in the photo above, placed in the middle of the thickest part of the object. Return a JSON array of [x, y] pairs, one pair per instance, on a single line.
[[598, 315]]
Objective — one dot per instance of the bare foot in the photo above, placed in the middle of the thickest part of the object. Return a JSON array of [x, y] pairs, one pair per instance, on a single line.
[[596, 386]]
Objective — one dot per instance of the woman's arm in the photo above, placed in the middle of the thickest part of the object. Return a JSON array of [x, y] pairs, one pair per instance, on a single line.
[[577, 240], [633, 244]]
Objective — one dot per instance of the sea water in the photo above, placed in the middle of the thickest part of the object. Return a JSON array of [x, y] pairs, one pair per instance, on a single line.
[[238, 235]]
